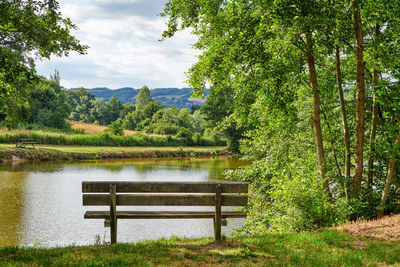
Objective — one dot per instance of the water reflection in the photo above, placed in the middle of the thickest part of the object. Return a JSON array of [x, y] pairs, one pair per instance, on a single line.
[[11, 206], [43, 201]]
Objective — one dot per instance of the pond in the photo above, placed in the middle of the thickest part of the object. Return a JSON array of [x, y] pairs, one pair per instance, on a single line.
[[41, 203]]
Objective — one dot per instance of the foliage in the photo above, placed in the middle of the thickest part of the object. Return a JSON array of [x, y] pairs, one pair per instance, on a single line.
[[217, 111], [186, 135], [48, 105], [29, 30], [143, 97], [149, 115], [81, 103], [288, 77], [116, 128]]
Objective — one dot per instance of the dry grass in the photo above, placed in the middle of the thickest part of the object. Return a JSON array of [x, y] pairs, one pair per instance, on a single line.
[[87, 127], [96, 129], [385, 229]]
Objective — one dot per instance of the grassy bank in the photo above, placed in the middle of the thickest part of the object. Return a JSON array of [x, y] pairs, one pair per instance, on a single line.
[[327, 248], [104, 139], [8, 152]]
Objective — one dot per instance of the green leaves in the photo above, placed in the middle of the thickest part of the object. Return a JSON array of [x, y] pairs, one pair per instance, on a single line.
[[31, 29]]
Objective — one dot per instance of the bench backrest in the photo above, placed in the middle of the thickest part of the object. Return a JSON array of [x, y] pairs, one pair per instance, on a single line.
[[164, 193]]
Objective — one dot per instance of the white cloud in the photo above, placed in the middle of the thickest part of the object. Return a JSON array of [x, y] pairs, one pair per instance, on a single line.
[[124, 48]]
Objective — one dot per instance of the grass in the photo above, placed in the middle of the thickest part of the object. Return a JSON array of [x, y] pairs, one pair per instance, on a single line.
[[57, 138], [326, 248], [112, 149], [8, 152]]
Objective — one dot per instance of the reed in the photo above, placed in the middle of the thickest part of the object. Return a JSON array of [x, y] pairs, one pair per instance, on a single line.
[[104, 139]]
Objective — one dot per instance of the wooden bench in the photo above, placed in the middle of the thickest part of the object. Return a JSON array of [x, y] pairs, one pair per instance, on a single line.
[[23, 142], [115, 194]]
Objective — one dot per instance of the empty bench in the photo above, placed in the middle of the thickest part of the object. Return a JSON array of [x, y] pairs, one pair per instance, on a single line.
[[115, 194], [22, 142]]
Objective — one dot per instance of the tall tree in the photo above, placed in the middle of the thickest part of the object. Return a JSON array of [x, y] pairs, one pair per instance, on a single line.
[[281, 61], [375, 107], [143, 97], [256, 25], [360, 99], [48, 105]]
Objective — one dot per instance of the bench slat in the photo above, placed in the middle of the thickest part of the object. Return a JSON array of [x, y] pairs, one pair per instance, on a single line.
[[163, 200], [163, 214], [164, 187]]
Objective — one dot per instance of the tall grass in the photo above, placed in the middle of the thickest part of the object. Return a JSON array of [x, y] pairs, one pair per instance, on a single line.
[[101, 139]]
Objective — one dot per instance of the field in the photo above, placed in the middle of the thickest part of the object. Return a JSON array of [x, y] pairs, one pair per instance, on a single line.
[[98, 129]]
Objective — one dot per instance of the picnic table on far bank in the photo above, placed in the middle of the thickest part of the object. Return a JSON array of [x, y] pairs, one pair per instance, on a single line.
[[23, 142]]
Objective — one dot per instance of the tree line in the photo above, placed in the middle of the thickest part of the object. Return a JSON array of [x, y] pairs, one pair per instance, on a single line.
[[49, 106], [148, 115]]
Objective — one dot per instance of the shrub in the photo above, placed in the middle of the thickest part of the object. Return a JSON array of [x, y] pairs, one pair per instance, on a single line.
[[185, 135], [197, 139], [116, 128], [288, 197]]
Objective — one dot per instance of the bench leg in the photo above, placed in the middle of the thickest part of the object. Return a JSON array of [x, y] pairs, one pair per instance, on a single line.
[[217, 219], [113, 214]]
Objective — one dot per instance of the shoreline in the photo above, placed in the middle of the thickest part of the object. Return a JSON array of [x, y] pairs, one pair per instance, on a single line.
[[9, 154]]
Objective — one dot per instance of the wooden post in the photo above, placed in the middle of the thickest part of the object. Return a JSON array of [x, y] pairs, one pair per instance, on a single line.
[[113, 213], [217, 220]]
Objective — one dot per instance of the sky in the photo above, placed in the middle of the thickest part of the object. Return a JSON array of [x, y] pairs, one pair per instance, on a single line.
[[124, 48]]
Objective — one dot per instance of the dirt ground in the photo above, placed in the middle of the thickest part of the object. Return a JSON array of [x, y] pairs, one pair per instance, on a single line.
[[385, 229]]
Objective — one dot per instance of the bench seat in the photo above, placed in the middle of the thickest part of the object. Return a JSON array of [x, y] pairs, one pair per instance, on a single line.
[[163, 214], [114, 194]]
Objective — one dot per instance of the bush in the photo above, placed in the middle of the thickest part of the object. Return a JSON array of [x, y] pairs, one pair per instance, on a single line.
[[289, 197], [115, 128], [185, 135], [197, 139]]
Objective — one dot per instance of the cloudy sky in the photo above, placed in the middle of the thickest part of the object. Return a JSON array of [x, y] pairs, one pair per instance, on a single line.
[[124, 48]]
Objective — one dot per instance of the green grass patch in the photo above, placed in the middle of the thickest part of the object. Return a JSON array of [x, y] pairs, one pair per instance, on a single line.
[[327, 248], [113, 149], [8, 152]]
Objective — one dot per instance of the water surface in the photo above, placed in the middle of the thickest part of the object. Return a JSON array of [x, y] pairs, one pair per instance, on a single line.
[[41, 203]]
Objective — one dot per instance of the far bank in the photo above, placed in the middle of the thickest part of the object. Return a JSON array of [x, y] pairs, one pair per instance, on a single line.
[[9, 153]]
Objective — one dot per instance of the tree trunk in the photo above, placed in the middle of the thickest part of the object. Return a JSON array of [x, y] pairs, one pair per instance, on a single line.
[[316, 120], [390, 175], [374, 121], [339, 172], [360, 101], [344, 116]]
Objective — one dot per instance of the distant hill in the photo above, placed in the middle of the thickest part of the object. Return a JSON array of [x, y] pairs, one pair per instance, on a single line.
[[169, 97]]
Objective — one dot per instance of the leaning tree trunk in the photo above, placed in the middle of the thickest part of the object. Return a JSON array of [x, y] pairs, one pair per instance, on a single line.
[[344, 116], [360, 101], [390, 175], [374, 121], [316, 120]]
